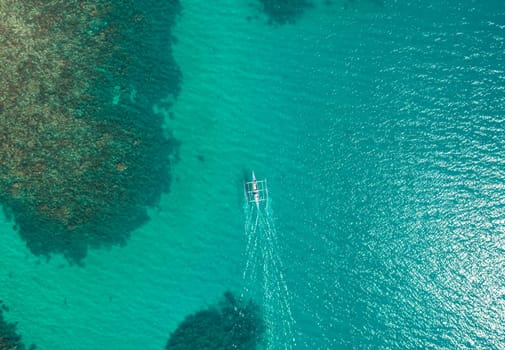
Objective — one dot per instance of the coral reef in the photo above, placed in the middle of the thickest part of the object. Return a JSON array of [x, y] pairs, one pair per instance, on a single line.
[[284, 11], [228, 325], [9, 339], [81, 153]]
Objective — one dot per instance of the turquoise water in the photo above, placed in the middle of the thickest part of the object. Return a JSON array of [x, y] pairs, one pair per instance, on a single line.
[[380, 129]]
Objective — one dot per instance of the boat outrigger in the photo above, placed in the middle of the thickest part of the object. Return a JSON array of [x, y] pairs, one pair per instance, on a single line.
[[256, 191]]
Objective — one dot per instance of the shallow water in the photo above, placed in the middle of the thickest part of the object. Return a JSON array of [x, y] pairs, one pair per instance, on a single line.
[[379, 128]]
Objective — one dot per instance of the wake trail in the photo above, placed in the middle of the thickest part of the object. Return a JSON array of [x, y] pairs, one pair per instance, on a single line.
[[264, 270]]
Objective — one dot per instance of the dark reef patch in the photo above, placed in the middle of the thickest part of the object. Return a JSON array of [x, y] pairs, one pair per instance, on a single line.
[[9, 339], [284, 11], [227, 325], [82, 154]]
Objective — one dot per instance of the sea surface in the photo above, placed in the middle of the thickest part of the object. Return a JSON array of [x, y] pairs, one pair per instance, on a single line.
[[380, 126]]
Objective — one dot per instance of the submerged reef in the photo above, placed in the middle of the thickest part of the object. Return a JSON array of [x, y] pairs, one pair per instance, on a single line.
[[9, 339], [284, 11], [228, 325], [82, 154]]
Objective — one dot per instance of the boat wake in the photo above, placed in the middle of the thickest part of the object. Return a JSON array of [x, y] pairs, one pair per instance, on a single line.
[[263, 272]]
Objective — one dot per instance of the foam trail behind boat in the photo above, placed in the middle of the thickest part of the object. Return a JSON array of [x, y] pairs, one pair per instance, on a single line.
[[263, 274]]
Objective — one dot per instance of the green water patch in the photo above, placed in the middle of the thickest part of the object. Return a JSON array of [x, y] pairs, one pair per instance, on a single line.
[[230, 324], [9, 338], [82, 153]]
